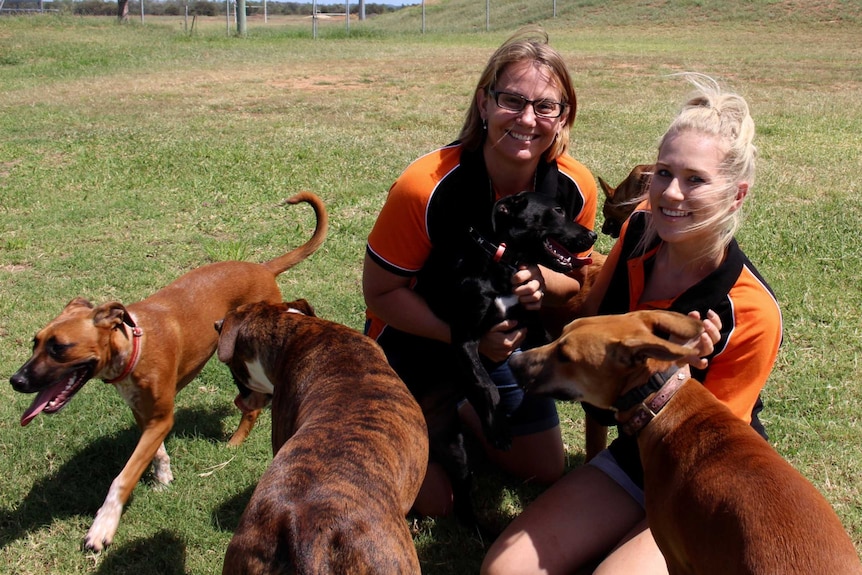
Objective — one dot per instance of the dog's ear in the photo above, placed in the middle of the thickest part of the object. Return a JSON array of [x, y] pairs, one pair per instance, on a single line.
[[639, 349], [79, 302], [671, 323], [303, 306], [111, 315], [609, 191], [226, 339]]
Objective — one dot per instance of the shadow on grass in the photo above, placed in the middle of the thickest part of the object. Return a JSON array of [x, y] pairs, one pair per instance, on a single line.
[[226, 516], [446, 547], [138, 557], [80, 485]]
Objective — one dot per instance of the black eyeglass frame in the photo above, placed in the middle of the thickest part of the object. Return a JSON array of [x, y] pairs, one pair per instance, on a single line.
[[524, 101]]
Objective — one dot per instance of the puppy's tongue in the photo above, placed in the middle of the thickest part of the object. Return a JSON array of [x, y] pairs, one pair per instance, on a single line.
[[37, 406]]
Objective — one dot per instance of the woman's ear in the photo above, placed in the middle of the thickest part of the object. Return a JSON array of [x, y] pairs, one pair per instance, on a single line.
[[481, 101], [741, 192]]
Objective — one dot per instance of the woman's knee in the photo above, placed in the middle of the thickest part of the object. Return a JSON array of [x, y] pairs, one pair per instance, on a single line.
[[435, 496], [537, 457]]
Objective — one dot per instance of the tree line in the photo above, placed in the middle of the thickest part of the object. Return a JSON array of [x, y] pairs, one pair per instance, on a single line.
[[195, 7]]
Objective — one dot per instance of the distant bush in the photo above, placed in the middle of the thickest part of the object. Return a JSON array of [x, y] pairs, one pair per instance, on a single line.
[[94, 8]]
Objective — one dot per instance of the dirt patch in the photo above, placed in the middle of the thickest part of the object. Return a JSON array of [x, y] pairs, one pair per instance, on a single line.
[[6, 167]]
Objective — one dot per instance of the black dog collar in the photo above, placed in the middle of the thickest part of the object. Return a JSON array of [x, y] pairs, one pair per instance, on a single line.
[[497, 252]]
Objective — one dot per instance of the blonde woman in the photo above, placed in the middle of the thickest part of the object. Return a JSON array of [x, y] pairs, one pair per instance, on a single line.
[[677, 251]]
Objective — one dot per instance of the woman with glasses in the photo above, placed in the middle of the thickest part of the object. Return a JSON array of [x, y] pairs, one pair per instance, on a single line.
[[515, 137]]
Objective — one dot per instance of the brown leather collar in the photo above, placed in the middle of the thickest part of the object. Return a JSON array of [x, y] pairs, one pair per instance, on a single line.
[[638, 417]]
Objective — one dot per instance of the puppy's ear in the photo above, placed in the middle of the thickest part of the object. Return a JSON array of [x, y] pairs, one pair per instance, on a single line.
[[79, 302], [111, 315], [609, 191]]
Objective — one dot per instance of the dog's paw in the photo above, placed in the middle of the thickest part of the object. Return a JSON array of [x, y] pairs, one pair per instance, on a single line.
[[162, 467], [101, 533], [499, 435]]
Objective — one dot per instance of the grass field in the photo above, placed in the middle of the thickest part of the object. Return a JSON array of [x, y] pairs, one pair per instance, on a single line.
[[131, 154]]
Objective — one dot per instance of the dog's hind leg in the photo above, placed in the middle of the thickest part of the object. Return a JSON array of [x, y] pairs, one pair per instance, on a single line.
[[448, 449], [246, 424], [101, 533], [484, 396], [162, 466]]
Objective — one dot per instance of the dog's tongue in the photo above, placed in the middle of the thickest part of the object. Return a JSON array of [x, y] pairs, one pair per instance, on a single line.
[[42, 399], [39, 404]]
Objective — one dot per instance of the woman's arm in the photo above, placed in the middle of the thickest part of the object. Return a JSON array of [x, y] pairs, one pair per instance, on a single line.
[[390, 298]]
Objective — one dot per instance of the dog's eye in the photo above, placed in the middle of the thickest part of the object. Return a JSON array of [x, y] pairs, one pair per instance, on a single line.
[[57, 350], [560, 210], [563, 354]]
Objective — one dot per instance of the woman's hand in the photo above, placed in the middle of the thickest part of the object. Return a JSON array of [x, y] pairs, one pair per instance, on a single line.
[[501, 340], [705, 342], [505, 337], [529, 286]]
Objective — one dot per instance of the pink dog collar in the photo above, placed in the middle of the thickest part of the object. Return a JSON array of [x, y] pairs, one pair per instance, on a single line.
[[133, 360]]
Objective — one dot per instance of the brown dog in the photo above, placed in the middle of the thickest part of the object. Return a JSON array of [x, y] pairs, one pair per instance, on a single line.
[[349, 440], [149, 351], [621, 201], [719, 499]]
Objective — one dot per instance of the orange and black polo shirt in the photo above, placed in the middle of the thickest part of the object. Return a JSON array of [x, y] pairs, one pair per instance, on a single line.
[[751, 324], [435, 201]]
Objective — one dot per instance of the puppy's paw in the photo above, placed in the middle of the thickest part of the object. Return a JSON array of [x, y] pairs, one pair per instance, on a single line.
[[499, 435]]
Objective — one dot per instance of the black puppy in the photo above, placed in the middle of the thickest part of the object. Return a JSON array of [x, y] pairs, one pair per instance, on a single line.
[[469, 285]]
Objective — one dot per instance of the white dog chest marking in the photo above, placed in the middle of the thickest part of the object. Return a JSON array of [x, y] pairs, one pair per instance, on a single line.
[[257, 378], [506, 302]]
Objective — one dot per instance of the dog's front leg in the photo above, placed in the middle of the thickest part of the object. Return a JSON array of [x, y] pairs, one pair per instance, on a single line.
[[101, 533], [484, 396]]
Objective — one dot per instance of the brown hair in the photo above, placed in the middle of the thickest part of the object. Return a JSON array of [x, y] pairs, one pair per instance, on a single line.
[[528, 44]]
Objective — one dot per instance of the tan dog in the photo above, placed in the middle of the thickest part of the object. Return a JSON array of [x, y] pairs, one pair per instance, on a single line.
[[621, 201], [719, 499], [149, 351], [349, 440]]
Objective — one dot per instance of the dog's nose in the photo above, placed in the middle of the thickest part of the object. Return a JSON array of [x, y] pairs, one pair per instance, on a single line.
[[18, 381]]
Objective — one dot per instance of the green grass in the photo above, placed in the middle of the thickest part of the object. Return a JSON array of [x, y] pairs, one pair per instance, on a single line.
[[131, 154]]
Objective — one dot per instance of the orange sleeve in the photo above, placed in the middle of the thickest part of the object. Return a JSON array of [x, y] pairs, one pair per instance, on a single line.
[[587, 184], [400, 234]]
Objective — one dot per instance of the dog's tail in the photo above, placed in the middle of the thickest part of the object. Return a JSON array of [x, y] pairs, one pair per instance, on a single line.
[[293, 257]]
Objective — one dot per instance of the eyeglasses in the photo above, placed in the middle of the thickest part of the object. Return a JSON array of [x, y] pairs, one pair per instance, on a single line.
[[517, 103]]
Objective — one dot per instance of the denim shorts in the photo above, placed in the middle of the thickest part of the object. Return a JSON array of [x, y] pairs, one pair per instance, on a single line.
[[607, 463]]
